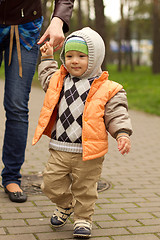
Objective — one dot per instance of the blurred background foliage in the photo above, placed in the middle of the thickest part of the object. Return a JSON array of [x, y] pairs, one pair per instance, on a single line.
[[132, 45], [126, 39]]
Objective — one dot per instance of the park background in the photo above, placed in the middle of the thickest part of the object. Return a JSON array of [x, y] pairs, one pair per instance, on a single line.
[[131, 32], [129, 209]]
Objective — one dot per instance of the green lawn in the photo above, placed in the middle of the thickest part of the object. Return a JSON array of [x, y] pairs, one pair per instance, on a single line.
[[143, 88]]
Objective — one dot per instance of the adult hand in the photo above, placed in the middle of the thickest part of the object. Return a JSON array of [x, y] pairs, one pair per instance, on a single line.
[[55, 34]]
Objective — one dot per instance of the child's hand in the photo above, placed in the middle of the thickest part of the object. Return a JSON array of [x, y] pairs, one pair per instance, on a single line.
[[124, 144], [46, 49]]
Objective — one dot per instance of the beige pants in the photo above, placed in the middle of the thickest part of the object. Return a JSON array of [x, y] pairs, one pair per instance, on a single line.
[[70, 182]]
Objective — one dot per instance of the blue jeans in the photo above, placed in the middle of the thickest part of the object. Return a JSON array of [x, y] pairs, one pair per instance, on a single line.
[[16, 97]]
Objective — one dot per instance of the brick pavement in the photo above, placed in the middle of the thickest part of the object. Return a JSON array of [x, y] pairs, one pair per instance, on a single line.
[[129, 210]]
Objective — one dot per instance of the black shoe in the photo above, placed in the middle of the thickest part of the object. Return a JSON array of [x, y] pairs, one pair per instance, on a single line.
[[82, 229], [60, 216], [18, 197]]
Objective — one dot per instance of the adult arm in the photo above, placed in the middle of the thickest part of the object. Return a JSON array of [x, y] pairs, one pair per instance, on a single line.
[[59, 23]]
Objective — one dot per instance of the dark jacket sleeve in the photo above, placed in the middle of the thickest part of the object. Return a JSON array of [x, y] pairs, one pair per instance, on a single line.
[[63, 10]]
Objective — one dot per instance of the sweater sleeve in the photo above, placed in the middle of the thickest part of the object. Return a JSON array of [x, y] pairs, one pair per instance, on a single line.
[[63, 10], [116, 115], [46, 69]]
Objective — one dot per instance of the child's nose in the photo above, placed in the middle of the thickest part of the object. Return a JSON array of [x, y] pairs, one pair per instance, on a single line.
[[75, 59]]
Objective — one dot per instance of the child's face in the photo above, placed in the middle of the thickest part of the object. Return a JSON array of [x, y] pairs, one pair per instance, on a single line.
[[76, 63]]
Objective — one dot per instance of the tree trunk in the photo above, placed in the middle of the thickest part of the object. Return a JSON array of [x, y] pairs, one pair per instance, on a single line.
[[79, 21], [88, 14], [138, 61], [121, 30], [128, 53], [100, 24], [44, 11], [156, 37]]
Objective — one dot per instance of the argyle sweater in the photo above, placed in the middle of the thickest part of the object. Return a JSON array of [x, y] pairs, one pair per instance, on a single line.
[[67, 131]]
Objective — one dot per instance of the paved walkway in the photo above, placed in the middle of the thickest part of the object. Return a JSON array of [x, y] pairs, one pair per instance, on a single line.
[[129, 210]]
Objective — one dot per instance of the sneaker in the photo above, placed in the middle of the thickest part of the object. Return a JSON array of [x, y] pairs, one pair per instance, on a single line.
[[82, 229], [60, 216]]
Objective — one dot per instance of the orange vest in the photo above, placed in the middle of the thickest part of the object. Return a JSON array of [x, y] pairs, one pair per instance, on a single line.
[[94, 134]]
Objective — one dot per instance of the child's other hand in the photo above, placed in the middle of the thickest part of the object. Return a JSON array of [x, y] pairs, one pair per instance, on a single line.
[[124, 144], [46, 49]]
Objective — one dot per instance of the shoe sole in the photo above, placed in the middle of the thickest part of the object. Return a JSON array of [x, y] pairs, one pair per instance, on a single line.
[[81, 236]]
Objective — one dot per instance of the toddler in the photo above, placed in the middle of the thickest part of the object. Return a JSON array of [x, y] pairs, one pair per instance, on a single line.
[[80, 107]]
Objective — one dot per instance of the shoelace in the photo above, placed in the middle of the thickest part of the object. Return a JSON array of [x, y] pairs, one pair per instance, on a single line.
[[62, 214], [82, 224]]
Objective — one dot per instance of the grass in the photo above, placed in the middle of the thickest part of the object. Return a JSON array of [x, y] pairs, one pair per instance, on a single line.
[[142, 87], [2, 71]]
